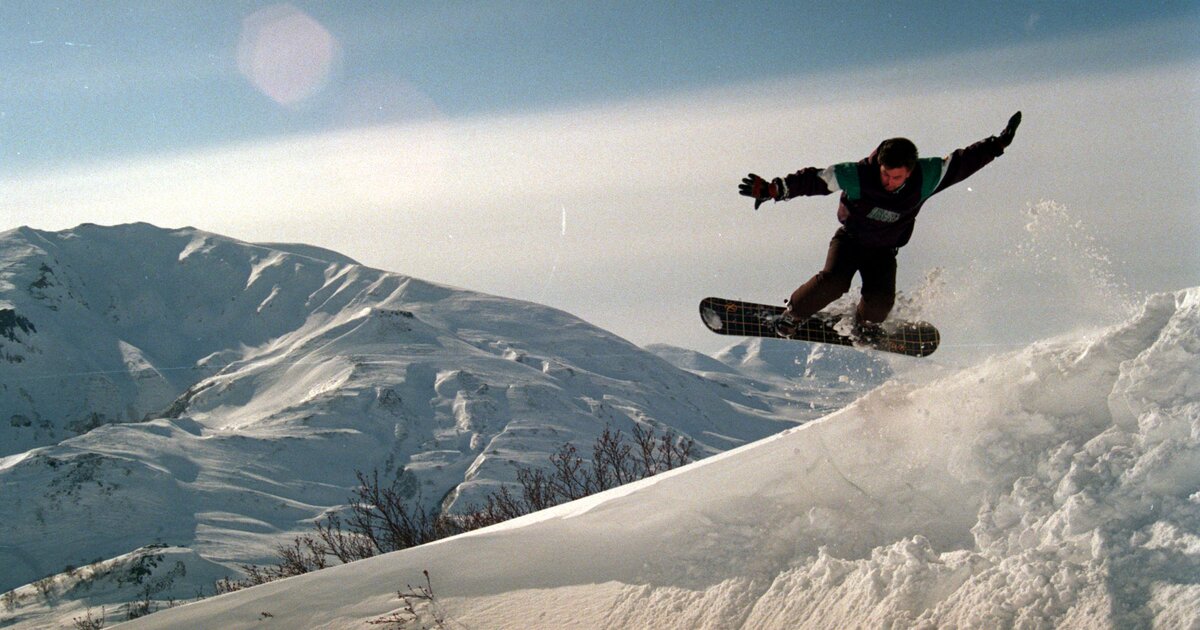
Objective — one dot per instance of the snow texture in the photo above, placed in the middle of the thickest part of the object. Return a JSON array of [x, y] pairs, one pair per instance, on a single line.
[[1055, 486], [236, 387], [179, 388]]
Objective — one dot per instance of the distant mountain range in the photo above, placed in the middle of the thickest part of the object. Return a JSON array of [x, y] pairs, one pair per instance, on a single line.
[[212, 397]]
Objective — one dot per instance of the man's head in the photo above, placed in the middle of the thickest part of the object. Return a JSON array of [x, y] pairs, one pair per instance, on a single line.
[[897, 161]]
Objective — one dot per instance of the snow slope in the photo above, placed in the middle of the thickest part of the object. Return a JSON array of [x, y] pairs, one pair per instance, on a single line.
[[1056, 486], [179, 388], [120, 321]]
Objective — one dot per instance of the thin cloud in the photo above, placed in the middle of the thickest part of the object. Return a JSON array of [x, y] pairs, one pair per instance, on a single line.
[[655, 221]]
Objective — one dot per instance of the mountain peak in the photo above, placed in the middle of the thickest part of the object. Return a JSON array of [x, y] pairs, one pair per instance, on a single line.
[[246, 384]]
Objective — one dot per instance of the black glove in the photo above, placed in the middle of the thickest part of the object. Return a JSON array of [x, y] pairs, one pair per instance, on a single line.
[[1006, 136], [760, 189]]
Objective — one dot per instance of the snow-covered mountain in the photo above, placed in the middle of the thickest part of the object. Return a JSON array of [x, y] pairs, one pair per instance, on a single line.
[[1057, 486], [173, 402], [107, 325]]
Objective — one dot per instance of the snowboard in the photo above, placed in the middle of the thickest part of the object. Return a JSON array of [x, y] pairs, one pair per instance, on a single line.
[[746, 319]]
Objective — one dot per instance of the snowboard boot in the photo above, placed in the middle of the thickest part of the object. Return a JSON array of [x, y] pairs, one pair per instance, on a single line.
[[866, 333], [786, 325]]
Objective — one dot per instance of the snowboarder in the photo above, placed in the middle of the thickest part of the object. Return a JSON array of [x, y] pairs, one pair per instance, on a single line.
[[881, 196]]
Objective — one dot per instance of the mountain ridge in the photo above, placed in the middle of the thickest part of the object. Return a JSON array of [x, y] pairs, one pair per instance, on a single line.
[[234, 390]]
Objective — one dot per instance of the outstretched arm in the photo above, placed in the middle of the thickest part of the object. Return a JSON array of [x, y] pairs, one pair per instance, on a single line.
[[965, 162], [806, 181]]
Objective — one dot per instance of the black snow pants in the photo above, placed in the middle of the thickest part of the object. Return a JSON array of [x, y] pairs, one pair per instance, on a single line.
[[876, 265]]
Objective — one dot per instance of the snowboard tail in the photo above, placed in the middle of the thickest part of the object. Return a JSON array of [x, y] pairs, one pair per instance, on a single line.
[[747, 319]]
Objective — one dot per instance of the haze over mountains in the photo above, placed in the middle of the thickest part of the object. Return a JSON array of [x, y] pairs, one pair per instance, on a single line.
[[211, 397]]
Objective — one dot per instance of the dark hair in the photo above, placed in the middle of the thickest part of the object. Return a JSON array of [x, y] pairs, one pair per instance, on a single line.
[[898, 152]]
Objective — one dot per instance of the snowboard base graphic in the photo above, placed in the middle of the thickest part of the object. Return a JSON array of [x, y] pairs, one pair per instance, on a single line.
[[747, 319]]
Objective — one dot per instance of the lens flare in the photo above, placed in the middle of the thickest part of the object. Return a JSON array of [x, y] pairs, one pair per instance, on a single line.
[[286, 54]]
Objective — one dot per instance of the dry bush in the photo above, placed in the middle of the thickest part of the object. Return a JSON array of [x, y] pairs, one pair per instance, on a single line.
[[383, 519]]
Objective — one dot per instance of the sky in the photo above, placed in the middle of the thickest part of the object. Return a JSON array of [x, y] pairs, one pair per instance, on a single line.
[[586, 154]]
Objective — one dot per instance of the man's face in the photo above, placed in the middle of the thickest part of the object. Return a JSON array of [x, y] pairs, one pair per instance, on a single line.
[[893, 178]]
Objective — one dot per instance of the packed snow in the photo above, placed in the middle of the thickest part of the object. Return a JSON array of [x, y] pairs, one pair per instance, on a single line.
[[1054, 486]]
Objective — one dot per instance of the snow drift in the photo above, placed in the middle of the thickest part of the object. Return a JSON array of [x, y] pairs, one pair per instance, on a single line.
[[1058, 486]]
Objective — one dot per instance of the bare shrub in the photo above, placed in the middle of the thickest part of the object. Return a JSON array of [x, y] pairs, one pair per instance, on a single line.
[[383, 518], [88, 622], [614, 462], [45, 586], [305, 553], [140, 608], [388, 521], [420, 608], [346, 546]]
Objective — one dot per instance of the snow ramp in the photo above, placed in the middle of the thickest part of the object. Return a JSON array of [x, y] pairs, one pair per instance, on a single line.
[[1058, 486]]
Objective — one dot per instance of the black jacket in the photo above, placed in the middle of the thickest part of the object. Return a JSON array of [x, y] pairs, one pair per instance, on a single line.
[[878, 218]]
